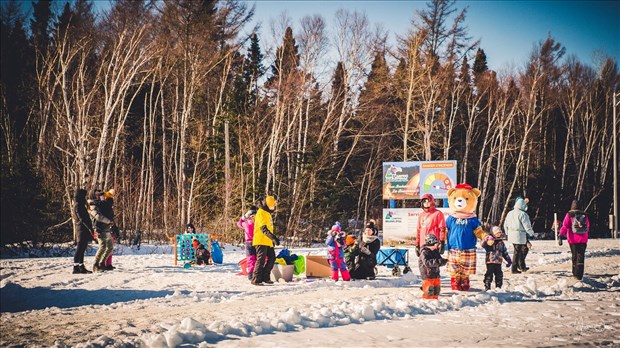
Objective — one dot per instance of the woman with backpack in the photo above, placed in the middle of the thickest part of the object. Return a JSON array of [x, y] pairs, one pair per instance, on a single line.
[[575, 229]]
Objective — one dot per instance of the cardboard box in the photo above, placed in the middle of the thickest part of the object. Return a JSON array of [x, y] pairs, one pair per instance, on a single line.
[[318, 267]]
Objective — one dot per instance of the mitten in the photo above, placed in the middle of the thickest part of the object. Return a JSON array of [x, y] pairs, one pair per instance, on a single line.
[[96, 235], [417, 250], [489, 240], [529, 245], [508, 264], [560, 241], [365, 250], [442, 247], [277, 241]]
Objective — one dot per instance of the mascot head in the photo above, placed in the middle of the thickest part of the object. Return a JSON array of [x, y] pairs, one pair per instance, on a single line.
[[463, 198]]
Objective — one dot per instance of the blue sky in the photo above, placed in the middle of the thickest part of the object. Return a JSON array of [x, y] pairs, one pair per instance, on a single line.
[[508, 30]]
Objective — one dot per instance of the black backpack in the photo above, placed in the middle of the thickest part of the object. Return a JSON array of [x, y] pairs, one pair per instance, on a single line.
[[579, 224]]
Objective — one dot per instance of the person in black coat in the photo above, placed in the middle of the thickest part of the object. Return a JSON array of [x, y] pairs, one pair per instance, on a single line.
[[85, 231], [366, 260]]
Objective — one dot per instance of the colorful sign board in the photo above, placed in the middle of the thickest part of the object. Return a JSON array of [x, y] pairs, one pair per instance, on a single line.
[[400, 224], [411, 180]]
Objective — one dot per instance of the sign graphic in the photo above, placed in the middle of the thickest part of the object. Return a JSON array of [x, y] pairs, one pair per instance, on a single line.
[[410, 180]]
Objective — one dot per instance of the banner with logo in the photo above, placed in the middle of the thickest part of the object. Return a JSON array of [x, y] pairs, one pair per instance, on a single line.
[[399, 225], [411, 180]]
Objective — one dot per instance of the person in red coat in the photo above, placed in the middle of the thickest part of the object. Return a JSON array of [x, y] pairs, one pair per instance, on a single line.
[[430, 221]]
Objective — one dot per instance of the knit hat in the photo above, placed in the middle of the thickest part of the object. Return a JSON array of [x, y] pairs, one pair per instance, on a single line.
[[249, 213], [496, 229], [336, 227], [109, 194], [430, 240], [574, 205], [350, 240]]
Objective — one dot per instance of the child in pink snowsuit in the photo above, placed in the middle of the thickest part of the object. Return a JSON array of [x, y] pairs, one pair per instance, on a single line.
[[247, 224], [335, 253]]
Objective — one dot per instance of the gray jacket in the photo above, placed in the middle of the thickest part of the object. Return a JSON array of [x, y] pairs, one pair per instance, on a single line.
[[517, 223]]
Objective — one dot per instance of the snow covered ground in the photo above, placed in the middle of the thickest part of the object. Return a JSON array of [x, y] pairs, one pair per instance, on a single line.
[[148, 301]]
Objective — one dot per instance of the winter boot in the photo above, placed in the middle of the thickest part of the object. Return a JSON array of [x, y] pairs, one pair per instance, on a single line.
[[83, 269], [109, 267], [98, 268], [454, 283], [335, 275], [465, 283], [76, 269], [345, 275]]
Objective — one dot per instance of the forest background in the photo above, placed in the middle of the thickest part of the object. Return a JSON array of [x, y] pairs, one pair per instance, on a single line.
[[189, 119]]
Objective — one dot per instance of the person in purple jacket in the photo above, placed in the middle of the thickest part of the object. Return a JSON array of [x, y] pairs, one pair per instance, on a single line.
[[575, 229]]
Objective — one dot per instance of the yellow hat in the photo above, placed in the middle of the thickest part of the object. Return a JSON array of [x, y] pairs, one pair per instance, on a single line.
[[270, 201]]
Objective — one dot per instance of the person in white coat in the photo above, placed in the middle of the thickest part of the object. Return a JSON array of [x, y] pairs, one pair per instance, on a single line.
[[518, 226]]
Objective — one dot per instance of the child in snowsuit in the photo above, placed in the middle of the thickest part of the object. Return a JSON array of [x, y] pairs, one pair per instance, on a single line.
[[202, 254], [108, 211], [102, 233], [496, 251], [429, 262], [246, 223], [335, 254]]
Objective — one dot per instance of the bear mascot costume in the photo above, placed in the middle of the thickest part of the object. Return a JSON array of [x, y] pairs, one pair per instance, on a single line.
[[464, 229]]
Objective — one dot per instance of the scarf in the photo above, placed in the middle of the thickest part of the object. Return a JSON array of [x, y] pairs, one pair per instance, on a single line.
[[461, 215]]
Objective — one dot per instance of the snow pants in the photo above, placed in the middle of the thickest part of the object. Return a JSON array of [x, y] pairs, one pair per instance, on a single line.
[[105, 247], [250, 254], [518, 258], [493, 269], [265, 259], [579, 256]]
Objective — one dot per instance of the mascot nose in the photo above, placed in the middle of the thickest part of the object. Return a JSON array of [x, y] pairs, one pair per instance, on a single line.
[[459, 201]]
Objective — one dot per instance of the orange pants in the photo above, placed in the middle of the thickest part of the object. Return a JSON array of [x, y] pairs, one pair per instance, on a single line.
[[431, 288]]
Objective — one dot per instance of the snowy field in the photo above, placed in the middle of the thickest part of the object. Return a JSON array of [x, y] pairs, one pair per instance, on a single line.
[[149, 302]]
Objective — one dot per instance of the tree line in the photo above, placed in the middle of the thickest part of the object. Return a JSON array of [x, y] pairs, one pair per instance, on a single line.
[[177, 106]]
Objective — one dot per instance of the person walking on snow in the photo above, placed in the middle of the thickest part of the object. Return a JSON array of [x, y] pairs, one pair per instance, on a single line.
[[246, 223], [85, 231], [495, 251], [335, 253], [264, 241], [430, 221], [518, 226], [429, 262], [102, 230], [575, 229]]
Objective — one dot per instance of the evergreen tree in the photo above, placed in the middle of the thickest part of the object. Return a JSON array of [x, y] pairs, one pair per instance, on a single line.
[[40, 24], [287, 56]]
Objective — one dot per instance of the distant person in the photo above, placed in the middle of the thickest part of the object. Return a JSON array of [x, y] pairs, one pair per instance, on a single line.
[[496, 251], [107, 209], [335, 253], [429, 262], [518, 226], [102, 229], [85, 231], [430, 221], [575, 229], [264, 241], [246, 223], [190, 229]]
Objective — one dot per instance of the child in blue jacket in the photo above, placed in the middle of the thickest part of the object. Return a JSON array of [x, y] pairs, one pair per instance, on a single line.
[[496, 251]]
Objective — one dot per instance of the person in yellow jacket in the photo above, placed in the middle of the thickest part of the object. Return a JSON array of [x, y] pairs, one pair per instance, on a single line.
[[264, 241]]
